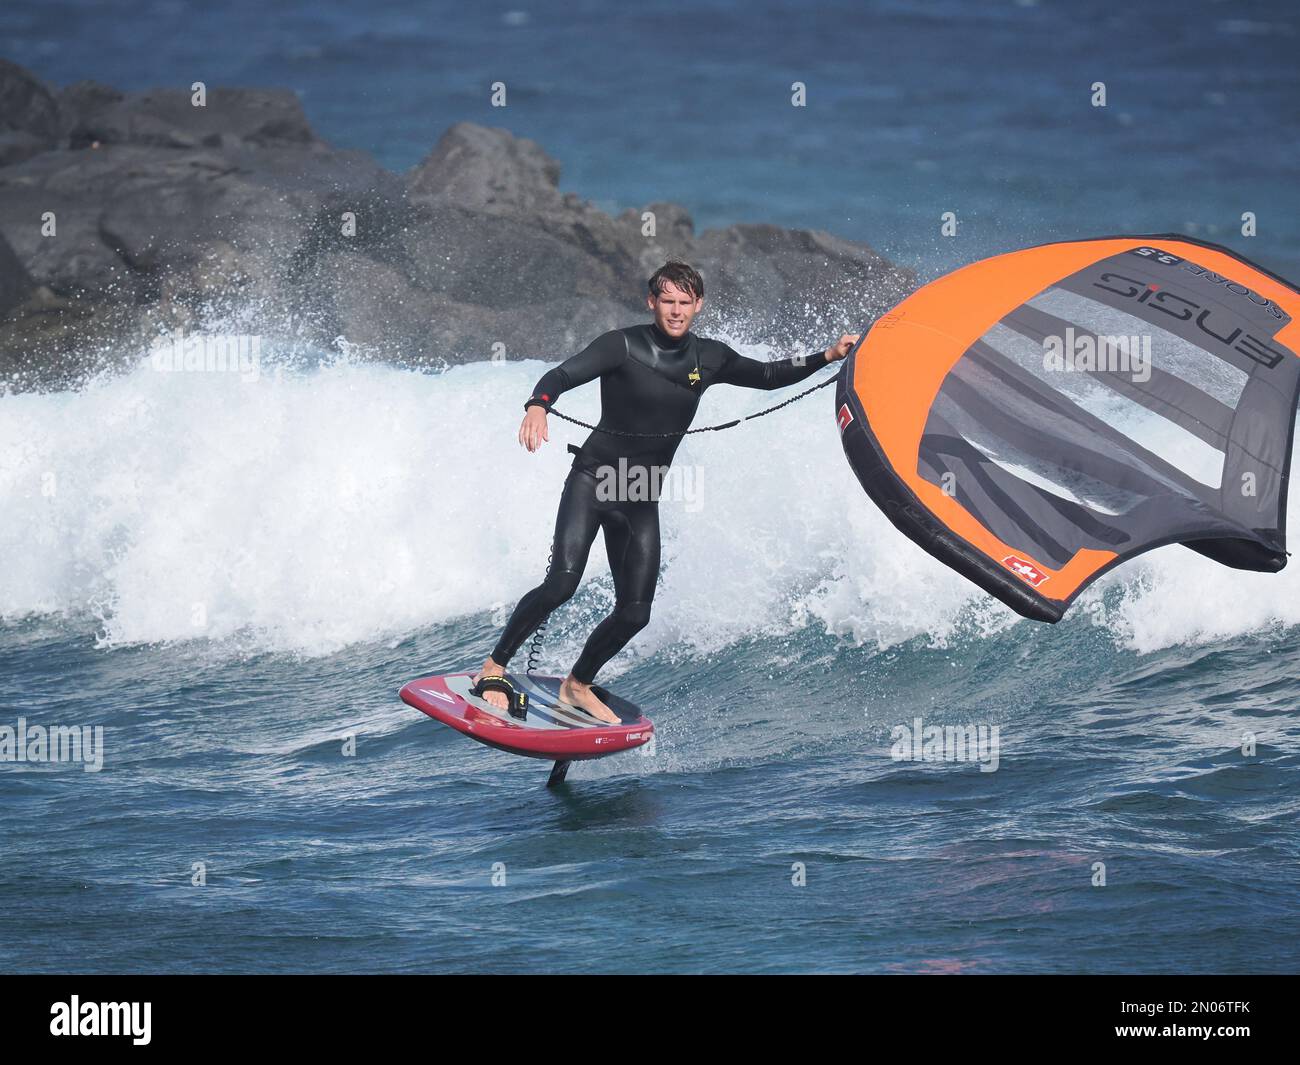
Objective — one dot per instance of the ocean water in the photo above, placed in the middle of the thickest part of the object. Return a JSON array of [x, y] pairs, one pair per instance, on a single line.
[[233, 577], [914, 109]]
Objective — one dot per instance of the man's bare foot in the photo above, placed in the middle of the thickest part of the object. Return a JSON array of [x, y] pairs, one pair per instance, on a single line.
[[493, 669], [575, 693]]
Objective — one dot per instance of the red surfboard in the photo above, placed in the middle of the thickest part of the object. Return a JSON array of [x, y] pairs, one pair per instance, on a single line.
[[553, 729]]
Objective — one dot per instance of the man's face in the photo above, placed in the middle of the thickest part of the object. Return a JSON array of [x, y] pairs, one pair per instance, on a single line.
[[674, 309]]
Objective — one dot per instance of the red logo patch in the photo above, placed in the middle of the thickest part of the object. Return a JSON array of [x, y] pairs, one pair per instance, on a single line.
[[844, 417], [1026, 571]]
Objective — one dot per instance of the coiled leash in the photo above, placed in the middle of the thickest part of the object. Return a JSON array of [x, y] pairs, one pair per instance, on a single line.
[[535, 651]]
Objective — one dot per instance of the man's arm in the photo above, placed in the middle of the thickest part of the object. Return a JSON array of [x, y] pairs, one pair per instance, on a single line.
[[603, 354], [755, 373]]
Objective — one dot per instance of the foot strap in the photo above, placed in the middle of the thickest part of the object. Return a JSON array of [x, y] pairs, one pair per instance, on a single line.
[[518, 701]]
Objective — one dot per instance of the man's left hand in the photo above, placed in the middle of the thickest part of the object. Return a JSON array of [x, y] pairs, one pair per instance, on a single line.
[[842, 347]]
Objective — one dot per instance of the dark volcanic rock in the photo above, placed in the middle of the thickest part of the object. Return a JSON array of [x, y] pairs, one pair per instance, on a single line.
[[17, 145], [15, 283], [167, 118], [130, 221], [764, 278], [487, 170], [29, 115], [26, 104], [132, 214], [81, 101]]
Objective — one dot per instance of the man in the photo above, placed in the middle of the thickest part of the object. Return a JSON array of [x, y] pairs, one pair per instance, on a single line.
[[651, 380]]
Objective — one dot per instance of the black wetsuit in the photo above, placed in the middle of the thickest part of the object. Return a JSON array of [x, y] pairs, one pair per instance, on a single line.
[[649, 383]]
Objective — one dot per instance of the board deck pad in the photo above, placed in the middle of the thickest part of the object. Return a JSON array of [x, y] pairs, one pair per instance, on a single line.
[[553, 729]]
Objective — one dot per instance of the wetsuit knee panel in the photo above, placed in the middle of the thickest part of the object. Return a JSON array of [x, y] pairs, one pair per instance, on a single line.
[[560, 584], [634, 615]]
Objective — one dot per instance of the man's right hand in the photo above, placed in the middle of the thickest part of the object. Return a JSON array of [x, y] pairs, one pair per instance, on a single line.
[[532, 432]]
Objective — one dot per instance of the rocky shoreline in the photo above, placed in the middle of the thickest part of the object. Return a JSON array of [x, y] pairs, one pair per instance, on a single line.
[[128, 217]]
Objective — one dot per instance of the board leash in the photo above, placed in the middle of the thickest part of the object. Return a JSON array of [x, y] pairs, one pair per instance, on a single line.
[[535, 649]]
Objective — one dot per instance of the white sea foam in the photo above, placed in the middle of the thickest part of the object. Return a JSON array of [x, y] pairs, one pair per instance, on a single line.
[[316, 509]]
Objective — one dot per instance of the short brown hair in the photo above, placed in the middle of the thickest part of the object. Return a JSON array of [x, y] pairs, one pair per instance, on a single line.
[[681, 274]]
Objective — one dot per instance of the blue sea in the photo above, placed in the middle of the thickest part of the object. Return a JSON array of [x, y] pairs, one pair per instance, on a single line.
[[230, 578]]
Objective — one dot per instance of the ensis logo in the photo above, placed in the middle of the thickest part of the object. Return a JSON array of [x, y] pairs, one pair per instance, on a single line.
[[844, 416], [1092, 353], [1182, 309], [1026, 571], [102, 1018]]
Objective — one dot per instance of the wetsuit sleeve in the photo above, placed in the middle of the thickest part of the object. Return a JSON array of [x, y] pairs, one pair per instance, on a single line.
[[754, 373], [602, 355]]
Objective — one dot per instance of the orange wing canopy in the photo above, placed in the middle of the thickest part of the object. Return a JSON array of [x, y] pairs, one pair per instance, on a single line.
[[1033, 419]]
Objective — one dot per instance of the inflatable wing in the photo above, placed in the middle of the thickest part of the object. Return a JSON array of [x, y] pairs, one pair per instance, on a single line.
[[1036, 418]]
